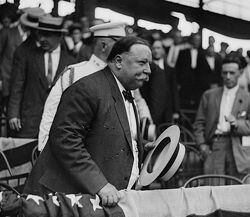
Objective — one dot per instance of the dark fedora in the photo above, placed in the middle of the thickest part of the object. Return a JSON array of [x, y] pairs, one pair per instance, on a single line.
[[165, 158], [51, 24]]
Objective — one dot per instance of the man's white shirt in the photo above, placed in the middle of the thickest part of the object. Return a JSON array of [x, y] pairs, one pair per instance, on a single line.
[[132, 125], [226, 106]]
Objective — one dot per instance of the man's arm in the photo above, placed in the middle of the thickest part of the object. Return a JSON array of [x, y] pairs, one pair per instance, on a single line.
[[17, 89], [241, 124], [199, 126], [50, 109], [71, 126], [142, 106]]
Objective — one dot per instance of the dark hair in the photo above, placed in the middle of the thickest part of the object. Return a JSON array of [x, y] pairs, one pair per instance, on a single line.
[[232, 58], [74, 27], [124, 44]]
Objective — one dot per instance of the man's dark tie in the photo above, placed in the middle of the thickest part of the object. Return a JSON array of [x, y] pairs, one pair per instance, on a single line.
[[128, 96], [50, 68]]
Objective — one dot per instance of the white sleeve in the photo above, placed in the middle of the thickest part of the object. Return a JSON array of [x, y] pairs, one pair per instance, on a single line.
[[142, 106], [50, 109]]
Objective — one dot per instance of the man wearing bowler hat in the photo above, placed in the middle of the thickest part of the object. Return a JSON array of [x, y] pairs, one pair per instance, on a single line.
[[105, 36], [37, 73], [94, 144]]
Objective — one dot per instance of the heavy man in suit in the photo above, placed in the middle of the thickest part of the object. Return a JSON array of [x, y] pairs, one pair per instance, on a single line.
[[94, 145], [222, 124], [33, 79]]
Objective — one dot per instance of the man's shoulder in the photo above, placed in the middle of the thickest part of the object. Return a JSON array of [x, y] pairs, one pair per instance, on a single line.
[[213, 91], [78, 65]]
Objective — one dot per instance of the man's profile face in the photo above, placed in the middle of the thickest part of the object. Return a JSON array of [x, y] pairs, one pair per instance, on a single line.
[[49, 40], [230, 74], [157, 50], [135, 66]]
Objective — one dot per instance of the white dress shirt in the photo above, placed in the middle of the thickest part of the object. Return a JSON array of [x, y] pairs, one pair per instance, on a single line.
[[132, 124], [159, 63], [55, 55], [194, 55], [226, 106], [211, 62]]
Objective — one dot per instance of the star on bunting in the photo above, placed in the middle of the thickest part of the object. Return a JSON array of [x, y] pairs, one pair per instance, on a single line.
[[96, 203]]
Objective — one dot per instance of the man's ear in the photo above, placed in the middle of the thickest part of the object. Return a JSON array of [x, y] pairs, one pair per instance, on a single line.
[[104, 46], [118, 61]]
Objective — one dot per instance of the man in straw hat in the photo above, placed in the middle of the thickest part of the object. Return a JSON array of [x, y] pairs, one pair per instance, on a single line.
[[10, 39], [94, 145], [105, 36], [35, 76]]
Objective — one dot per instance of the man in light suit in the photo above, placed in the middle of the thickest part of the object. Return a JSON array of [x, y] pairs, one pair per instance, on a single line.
[[222, 124], [94, 143], [35, 76]]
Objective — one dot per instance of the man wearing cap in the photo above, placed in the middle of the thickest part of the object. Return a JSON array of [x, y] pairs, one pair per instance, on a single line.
[[105, 36], [35, 76], [94, 145], [222, 125]]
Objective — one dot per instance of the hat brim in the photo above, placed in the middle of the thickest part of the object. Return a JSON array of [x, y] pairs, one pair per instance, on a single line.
[[24, 20], [163, 156], [51, 30]]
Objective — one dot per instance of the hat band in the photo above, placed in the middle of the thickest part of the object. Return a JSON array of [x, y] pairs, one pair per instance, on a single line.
[[32, 19], [170, 163], [50, 26]]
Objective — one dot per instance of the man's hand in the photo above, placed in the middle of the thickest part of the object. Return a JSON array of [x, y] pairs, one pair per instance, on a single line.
[[232, 120], [15, 124], [149, 146], [205, 150], [109, 195]]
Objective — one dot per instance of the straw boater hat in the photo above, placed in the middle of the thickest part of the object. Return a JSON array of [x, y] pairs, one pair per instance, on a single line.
[[51, 24], [112, 29], [165, 158], [31, 16]]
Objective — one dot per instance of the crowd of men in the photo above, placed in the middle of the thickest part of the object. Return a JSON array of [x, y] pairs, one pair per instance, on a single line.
[[69, 85]]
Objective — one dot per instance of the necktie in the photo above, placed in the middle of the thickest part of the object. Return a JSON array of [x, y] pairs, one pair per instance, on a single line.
[[50, 68], [128, 96]]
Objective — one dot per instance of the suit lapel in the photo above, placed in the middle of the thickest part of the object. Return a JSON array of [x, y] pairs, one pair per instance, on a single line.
[[41, 67], [61, 64], [216, 114], [237, 102], [119, 105]]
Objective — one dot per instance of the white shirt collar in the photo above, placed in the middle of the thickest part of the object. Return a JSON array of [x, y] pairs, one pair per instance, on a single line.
[[231, 91], [57, 50], [160, 63], [120, 86], [97, 61]]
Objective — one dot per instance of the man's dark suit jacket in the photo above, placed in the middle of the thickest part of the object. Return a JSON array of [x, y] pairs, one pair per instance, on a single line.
[[29, 87], [161, 93], [187, 77], [8, 44], [89, 143]]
